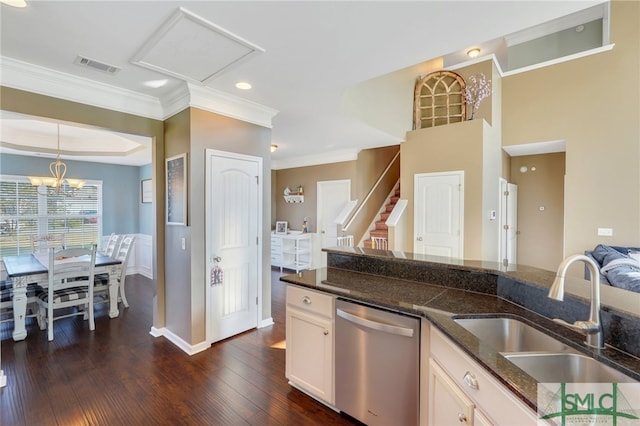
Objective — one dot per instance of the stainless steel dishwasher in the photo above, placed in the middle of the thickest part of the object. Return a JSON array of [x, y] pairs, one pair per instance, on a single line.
[[377, 368]]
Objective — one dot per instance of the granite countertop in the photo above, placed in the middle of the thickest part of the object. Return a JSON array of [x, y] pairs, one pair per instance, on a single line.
[[438, 304]]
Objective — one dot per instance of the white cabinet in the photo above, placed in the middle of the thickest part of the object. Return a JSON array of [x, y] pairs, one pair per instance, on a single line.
[[448, 405], [462, 392], [292, 251], [309, 353], [276, 250]]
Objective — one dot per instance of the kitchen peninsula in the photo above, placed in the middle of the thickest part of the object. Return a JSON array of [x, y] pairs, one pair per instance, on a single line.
[[439, 291]]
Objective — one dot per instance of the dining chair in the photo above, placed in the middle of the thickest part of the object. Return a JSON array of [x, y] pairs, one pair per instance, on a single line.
[[112, 245], [6, 297], [102, 280], [42, 243], [71, 274]]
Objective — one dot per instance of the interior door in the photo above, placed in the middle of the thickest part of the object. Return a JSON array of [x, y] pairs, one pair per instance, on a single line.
[[333, 195], [438, 214], [512, 224], [508, 223], [232, 227]]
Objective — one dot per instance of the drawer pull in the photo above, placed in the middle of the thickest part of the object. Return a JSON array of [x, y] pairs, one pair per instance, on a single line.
[[306, 300], [470, 380], [326, 332], [462, 418]]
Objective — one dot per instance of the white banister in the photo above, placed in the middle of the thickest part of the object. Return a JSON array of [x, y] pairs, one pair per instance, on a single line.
[[364, 202]]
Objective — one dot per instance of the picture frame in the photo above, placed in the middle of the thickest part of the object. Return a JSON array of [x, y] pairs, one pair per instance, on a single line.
[[281, 227], [146, 191], [176, 178]]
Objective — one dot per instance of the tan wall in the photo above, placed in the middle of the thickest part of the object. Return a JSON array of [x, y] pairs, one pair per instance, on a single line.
[[179, 292], [363, 173], [370, 165], [540, 231], [308, 177], [453, 147], [213, 131], [58, 109], [592, 103]]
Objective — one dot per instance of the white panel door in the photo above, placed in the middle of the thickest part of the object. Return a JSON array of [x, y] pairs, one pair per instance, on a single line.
[[512, 224], [233, 214], [508, 223], [438, 214], [333, 195]]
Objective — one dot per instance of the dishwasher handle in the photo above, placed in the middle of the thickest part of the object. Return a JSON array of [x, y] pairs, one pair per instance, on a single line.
[[374, 325]]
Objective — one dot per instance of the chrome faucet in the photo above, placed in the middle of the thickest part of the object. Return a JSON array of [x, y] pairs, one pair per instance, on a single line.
[[593, 326]]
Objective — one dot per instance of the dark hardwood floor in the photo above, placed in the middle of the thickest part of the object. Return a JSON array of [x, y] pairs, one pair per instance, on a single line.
[[121, 375]]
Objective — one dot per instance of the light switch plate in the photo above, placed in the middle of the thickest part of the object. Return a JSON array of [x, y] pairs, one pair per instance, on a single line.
[[605, 232]]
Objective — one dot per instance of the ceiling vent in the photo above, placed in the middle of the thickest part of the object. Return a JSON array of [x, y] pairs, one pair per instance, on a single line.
[[96, 65]]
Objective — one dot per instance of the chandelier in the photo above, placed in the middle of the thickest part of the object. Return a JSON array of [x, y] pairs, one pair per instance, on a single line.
[[56, 183]]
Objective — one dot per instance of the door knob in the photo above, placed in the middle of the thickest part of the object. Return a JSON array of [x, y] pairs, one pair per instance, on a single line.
[[217, 259], [419, 238]]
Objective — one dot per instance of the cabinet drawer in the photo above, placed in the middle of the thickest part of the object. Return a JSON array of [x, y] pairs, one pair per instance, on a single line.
[[311, 301], [276, 242], [492, 397]]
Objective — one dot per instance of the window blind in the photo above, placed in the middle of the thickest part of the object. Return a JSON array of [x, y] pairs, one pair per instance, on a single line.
[[25, 212]]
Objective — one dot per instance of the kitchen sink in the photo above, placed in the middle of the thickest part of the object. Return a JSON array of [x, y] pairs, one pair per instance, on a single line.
[[566, 368], [510, 335]]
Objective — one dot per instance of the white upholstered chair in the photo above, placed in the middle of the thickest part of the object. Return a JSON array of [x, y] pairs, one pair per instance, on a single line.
[[70, 285], [42, 243]]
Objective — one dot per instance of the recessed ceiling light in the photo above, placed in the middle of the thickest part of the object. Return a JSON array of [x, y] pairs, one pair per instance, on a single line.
[[156, 83], [14, 3], [274, 147], [473, 53], [243, 85], [580, 28]]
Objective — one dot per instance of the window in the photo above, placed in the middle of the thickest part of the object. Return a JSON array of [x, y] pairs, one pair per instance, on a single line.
[[438, 100], [25, 212]]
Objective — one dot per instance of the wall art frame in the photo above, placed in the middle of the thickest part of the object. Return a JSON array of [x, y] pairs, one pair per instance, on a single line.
[[176, 179], [146, 191], [281, 227]]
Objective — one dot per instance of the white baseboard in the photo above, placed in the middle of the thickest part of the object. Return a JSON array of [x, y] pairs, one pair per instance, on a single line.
[[266, 322], [178, 341], [3, 379]]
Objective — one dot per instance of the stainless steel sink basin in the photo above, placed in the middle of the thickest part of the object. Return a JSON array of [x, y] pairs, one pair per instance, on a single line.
[[566, 368], [510, 335]]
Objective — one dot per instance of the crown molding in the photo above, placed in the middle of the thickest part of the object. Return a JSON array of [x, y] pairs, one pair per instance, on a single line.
[[33, 78], [230, 106], [314, 160]]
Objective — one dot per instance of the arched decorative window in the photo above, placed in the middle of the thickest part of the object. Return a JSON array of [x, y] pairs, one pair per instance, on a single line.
[[439, 99]]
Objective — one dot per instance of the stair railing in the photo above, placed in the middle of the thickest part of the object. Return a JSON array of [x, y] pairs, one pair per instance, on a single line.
[[353, 217]]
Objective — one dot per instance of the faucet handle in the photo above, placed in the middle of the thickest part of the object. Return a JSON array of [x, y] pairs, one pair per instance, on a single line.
[[587, 327]]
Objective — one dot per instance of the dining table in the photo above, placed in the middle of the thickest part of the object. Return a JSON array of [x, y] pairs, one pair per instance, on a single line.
[[26, 269]]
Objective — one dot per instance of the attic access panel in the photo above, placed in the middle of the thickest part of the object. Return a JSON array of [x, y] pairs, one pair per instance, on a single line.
[[439, 99], [191, 48]]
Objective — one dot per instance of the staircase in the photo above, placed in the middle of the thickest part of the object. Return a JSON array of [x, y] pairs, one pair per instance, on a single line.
[[381, 230]]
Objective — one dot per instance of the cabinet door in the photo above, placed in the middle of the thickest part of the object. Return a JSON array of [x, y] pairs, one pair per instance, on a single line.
[[309, 357], [479, 419], [448, 405]]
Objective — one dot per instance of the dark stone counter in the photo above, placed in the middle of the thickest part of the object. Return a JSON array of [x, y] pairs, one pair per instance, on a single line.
[[439, 291]]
